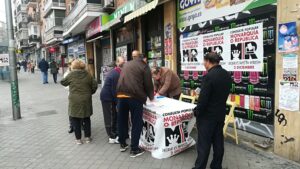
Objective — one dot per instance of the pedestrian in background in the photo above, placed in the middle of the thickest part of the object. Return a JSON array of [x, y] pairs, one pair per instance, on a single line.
[[44, 66], [81, 87], [32, 66], [29, 64], [210, 112], [134, 86], [18, 66], [108, 97], [24, 64], [54, 70], [166, 82]]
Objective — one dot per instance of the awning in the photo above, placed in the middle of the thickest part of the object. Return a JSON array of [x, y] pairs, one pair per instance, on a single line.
[[141, 11]]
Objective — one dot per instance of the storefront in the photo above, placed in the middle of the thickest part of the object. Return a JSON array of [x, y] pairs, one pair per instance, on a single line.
[[124, 40], [153, 35], [75, 47], [98, 47], [246, 42]]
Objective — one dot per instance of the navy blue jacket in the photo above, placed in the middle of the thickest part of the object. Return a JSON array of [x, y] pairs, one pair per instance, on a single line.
[[43, 65], [109, 92]]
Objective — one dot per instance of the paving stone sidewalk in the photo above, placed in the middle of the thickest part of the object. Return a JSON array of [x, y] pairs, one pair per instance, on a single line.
[[40, 140]]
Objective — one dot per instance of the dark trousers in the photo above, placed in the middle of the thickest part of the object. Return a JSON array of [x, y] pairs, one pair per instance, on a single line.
[[70, 122], [136, 111], [110, 118], [54, 77], [77, 122], [210, 132]]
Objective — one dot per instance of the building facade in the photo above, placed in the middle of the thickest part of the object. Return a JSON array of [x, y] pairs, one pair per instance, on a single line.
[[177, 34], [21, 28]]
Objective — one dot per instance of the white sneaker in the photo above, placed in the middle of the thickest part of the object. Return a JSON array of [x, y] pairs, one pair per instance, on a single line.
[[113, 140], [88, 140], [117, 140], [79, 142]]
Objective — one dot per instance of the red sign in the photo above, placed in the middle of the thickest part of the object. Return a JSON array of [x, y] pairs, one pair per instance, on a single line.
[[52, 50], [94, 27]]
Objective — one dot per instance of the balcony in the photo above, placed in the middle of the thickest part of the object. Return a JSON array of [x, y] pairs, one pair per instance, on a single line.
[[53, 4], [22, 25], [54, 30], [32, 4], [84, 12], [21, 8], [53, 36], [23, 43], [35, 18], [34, 39]]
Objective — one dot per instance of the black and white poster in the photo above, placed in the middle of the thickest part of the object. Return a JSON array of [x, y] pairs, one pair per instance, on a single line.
[[241, 49]]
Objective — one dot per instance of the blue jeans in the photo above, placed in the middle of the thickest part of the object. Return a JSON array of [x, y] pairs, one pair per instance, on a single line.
[[136, 109], [45, 77]]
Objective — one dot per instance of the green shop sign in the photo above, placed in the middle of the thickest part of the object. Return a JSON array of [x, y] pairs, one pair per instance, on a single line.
[[190, 12], [127, 7]]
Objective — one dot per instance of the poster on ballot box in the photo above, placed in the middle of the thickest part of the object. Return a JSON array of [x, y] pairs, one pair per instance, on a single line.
[[167, 134]]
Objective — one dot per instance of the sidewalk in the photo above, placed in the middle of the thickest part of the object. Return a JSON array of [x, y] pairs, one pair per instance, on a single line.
[[40, 139]]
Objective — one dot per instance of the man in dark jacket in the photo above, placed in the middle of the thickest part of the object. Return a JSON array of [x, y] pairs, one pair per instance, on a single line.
[[54, 70], [134, 86], [44, 66], [108, 97], [211, 111]]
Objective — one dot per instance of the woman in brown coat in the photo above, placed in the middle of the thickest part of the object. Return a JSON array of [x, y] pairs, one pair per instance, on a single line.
[[81, 87], [166, 82]]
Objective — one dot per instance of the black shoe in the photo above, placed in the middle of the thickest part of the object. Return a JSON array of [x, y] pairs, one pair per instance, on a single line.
[[71, 130], [123, 147], [136, 153]]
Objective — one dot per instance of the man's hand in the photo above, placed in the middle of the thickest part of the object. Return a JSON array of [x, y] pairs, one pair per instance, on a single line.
[[157, 94]]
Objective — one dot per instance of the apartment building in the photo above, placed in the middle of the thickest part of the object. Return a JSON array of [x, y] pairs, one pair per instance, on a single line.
[[21, 28], [54, 12], [3, 38], [33, 26]]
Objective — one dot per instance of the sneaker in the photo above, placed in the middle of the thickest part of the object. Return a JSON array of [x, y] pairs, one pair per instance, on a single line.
[[88, 140], [113, 140], [136, 153], [123, 147], [79, 142], [117, 140]]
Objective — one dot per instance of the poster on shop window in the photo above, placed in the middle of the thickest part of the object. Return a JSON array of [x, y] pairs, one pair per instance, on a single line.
[[191, 53], [167, 127], [4, 60], [240, 49], [197, 11]]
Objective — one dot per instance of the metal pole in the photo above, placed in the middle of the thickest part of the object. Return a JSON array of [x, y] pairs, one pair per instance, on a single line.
[[12, 63]]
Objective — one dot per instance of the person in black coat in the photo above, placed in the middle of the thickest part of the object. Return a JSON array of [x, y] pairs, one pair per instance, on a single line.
[[211, 111], [44, 66], [108, 97]]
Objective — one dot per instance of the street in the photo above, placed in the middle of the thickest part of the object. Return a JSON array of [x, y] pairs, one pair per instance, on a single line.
[[40, 139]]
